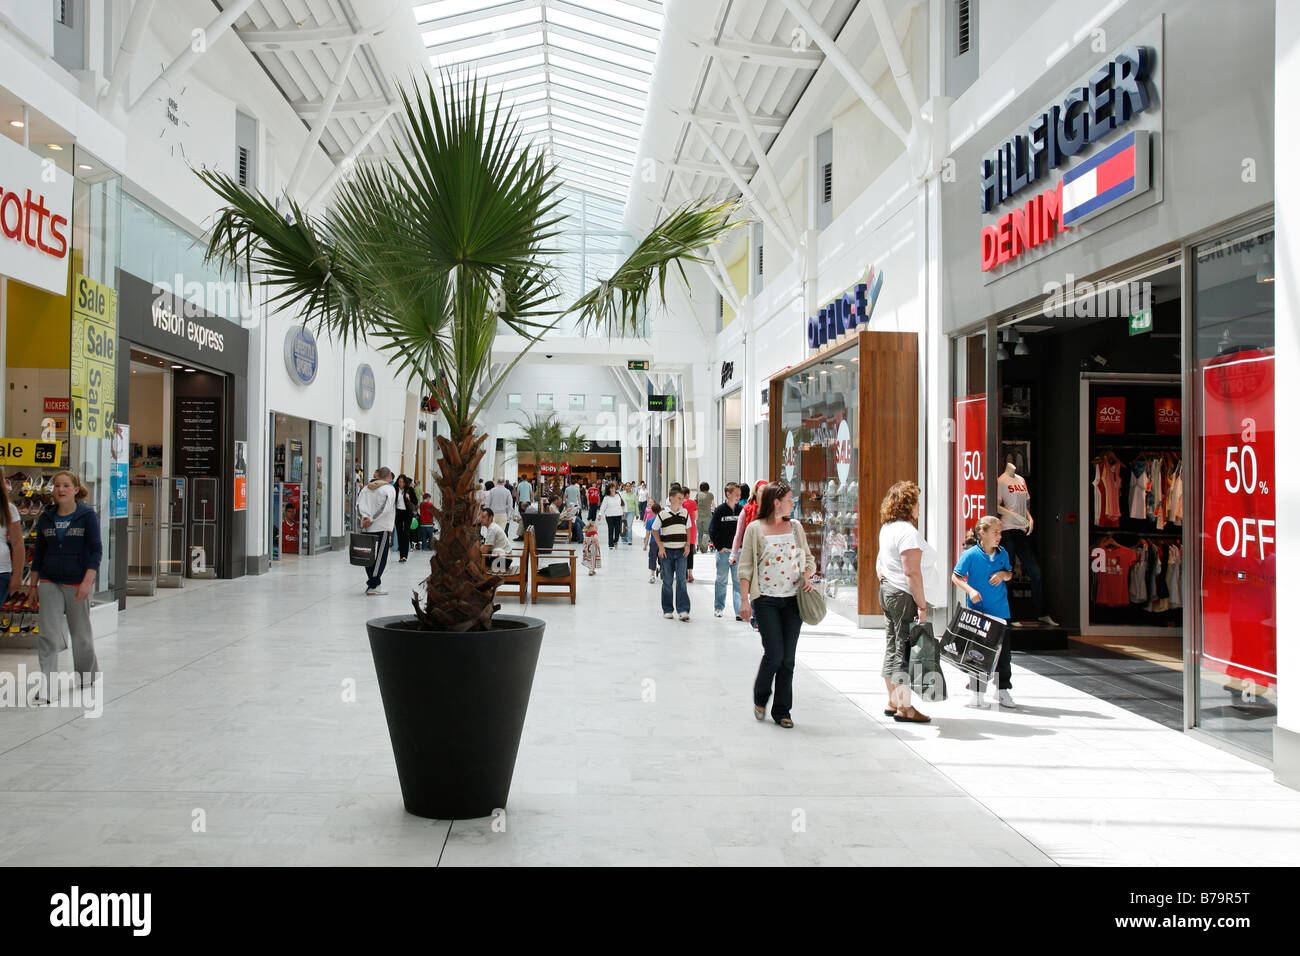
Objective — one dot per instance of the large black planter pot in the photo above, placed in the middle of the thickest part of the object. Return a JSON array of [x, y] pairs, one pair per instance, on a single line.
[[455, 705], [544, 527]]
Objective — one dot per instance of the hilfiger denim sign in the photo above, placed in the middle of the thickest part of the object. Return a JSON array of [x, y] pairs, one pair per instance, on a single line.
[[1108, 100], [35, 209]]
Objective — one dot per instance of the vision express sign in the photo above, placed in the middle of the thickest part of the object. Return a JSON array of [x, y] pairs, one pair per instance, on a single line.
[[158, 321]]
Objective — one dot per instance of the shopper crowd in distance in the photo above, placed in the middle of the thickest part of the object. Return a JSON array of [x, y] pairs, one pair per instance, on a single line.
[[760, 553]]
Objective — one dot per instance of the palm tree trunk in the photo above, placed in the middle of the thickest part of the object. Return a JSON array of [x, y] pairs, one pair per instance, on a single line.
[[460, 592]]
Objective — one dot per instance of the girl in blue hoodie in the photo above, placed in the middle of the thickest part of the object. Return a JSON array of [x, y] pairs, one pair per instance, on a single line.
[[68, 552]]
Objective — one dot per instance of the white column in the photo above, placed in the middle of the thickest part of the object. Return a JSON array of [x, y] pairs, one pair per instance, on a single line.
[[1286, 397]]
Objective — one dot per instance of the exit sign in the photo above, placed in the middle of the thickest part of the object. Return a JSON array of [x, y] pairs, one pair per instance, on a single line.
[[662, 403], [1139, 322], [637, 366]]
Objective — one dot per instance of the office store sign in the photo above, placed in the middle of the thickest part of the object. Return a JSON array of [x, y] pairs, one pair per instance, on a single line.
[[1093, 113], [35, 210], [844, 315]]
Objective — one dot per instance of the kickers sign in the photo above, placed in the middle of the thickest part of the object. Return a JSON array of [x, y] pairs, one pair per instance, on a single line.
[[35, 208]]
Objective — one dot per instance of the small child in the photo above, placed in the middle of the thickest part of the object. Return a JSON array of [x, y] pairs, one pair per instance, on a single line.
[[650, 509], [982, 572], [591, 548], [426, 522], [651, 522]]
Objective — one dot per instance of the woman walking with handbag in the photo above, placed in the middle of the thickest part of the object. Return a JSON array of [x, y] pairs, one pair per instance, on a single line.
[[774, 565], [611, 509], [903, 557], [408, 510]]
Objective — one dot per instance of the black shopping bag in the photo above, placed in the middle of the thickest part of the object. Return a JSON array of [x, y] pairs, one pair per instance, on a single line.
[[363, 549], [973, 642]]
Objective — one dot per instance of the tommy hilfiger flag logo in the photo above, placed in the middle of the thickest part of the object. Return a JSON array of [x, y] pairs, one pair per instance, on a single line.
[[1120, 171]]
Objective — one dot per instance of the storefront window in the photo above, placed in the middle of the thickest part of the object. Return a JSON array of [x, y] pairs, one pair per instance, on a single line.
[[819, 448], [96, 200], [1237, 586], [970, 445], [322, 447]]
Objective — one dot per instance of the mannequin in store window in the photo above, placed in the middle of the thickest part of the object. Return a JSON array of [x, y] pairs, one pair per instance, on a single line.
[[1017, 526]]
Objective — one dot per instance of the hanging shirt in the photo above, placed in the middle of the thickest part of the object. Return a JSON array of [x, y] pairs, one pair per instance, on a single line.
[[1013, 494], [1174, 576], [1137, 576], [1138, 484], [1111, 583], [1111, 480], [977, 566], [1096, 491], [1174, 508], [1155, 492]]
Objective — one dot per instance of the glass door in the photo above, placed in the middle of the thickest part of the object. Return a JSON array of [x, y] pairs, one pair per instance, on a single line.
[[322, 447], [1234, 574]]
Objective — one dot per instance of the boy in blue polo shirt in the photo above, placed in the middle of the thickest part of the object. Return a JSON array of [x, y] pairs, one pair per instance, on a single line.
[[983, 571]]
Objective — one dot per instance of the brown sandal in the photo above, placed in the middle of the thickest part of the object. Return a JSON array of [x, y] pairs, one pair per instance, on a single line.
[[759, 712], [786, 722]]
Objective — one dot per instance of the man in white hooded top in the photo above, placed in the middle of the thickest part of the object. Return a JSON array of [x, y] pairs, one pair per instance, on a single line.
[[377, 506]]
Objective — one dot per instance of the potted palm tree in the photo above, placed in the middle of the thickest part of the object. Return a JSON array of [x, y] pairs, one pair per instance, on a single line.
[[427, 258]]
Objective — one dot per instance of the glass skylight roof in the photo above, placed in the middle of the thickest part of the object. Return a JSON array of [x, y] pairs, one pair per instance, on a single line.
[[578, 73]]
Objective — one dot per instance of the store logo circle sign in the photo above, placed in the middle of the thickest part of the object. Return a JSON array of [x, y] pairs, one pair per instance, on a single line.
[[843, 450], [301, 356], [365, 386]]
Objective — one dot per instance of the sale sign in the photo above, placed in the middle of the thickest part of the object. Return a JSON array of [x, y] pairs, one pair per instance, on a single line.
[[1169, 416], [1238, 557], [1110, 416], [969, 467]]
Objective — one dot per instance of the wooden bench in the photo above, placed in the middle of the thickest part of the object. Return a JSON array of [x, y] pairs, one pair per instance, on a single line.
[[516, 582], [561, 586]]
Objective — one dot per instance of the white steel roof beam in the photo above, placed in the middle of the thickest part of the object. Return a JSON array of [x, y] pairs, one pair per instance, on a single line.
[[178, 67], [135, 28], [897, 62], [322, 118], [764, 121], [481, 39], [605, 19], [756, 147], [762, 54], [614, 46], [273, 40], [846, 68], [709, 169], [770, 221], [346, 108], [349, 159]]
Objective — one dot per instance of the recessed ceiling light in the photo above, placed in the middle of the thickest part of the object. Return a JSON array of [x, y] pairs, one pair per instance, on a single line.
[[191, 370], [84, 166], [55, 146], [17, 124], [177, 366]]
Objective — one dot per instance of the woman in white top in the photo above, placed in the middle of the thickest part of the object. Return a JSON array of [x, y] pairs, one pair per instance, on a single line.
[[611, 509], [774, 565], [903, 564]]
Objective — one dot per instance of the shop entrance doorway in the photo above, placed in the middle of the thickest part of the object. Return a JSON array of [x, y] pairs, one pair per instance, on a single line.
[[300, 513], [177, 472]]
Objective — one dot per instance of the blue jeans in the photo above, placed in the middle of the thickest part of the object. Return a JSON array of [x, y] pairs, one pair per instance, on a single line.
[[426, 537], [627, 528], [670, 567], [725, 569]]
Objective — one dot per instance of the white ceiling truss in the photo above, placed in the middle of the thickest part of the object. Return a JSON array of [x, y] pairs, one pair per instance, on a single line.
[[752, 78]]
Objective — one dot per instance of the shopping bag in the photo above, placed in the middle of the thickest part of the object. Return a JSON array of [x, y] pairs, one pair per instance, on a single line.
[[924, 674], [973, 642], [363, 549]]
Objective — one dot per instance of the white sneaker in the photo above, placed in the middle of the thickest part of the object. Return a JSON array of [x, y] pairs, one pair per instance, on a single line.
[[668, 616], [1004, 699], [717, 614], [375, 592], [683, 617], [1047, 619], [652, 579], [977, 700]]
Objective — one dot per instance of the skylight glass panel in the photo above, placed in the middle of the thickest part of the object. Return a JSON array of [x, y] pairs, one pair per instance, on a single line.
[[633, 113], [602, 54], [586, 119], [618, 141], [490, 47], [484, 27], [633, 84], [601, 28], [626, 11]]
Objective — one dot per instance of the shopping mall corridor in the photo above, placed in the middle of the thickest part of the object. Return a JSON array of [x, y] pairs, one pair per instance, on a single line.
[[242, 725]]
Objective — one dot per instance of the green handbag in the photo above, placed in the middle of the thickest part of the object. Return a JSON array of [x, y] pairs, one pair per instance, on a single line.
[[923, 671], [415, 524]]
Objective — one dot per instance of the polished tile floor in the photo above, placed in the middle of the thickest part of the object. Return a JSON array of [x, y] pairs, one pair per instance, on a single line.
[[242, 725]]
